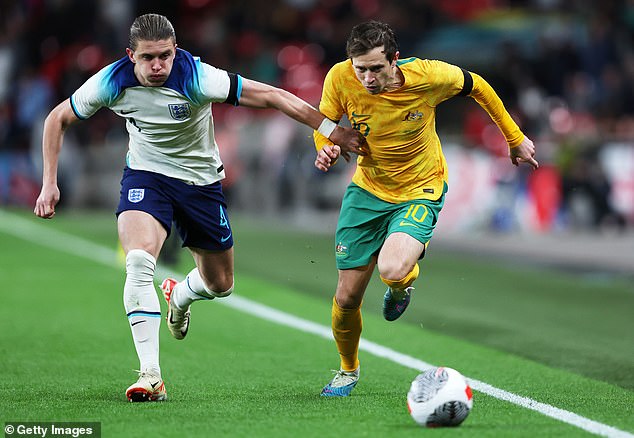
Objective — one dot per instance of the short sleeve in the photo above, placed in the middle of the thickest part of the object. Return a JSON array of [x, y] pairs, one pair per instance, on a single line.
[[446, 80], [330, 104], [215, 84], [97, 92]]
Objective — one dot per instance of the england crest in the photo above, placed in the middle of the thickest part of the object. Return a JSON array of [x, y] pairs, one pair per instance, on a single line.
[[180, 111], [136, 195]]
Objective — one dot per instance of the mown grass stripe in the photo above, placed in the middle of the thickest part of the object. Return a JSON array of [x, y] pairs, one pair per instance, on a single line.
[[64, 242]]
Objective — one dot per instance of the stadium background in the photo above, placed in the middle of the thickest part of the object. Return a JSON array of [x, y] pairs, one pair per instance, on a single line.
[[495, 302], [563, 68]]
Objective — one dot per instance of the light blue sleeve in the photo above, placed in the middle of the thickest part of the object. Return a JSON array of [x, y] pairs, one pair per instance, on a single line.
[[213, 83], [100, 90]]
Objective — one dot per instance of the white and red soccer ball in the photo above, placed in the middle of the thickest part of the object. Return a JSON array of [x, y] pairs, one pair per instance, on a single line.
[[439, 397]]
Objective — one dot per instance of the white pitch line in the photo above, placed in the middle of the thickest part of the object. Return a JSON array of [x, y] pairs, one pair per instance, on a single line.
[[42, 235]]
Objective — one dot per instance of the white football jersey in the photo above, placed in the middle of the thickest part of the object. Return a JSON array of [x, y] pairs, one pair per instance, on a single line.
[[171, 127]]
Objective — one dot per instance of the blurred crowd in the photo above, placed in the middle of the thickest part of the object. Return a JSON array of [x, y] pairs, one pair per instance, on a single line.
[[569, 87]]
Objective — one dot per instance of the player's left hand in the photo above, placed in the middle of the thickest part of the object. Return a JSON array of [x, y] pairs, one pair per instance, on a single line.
[[350, 141], [326, 157], [524, 153]]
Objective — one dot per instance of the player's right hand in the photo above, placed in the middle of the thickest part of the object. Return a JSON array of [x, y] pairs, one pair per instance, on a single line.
[[326, 157], [46, 202]]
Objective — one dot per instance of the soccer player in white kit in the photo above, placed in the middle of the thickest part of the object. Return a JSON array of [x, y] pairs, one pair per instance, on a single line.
[[173, 173]]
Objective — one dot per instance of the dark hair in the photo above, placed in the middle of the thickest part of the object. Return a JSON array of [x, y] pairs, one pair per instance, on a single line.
[[151, 27], [366, 36]]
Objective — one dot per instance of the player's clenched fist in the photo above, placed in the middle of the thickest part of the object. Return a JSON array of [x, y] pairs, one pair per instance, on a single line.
[[46, 202], [326, 157]]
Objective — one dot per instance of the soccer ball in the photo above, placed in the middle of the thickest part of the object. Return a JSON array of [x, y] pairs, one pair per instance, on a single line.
[[439, 397]]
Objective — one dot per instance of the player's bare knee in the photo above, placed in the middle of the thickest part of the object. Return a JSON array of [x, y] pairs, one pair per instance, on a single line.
[[348, 299], [394, 270], [400, 278], [348, 302]]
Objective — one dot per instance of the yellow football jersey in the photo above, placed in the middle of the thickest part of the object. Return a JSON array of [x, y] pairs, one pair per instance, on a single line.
[[405, 159]]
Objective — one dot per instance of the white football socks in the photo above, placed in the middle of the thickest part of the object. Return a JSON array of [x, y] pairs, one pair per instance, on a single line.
[[193, 288], [142, 307]]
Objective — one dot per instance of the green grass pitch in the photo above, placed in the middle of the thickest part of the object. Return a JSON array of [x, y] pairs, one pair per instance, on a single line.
[[66, 353]]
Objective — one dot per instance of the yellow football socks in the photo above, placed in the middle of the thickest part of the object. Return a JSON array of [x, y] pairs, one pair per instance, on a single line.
[[404, 282], [346, 329]]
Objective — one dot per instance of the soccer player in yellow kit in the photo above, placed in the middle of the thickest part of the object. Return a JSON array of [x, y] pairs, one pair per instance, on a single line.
[[390, 209]]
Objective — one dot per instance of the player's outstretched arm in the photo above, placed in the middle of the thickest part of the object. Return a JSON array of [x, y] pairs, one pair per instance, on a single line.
[[326, 157], [524, 153], [259, 95], [55, 124], [521, 148]]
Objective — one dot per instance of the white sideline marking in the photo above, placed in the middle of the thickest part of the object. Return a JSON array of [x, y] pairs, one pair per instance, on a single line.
[[42, 235]]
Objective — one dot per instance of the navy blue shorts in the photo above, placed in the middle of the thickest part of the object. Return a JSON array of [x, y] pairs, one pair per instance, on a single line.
[[199, 212]]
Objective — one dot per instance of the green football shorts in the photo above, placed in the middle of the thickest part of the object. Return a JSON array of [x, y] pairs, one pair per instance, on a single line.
[[365, 221]]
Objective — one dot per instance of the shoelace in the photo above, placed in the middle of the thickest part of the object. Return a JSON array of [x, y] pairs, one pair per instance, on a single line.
[[145, 374], [401, 295], [343, 378]]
